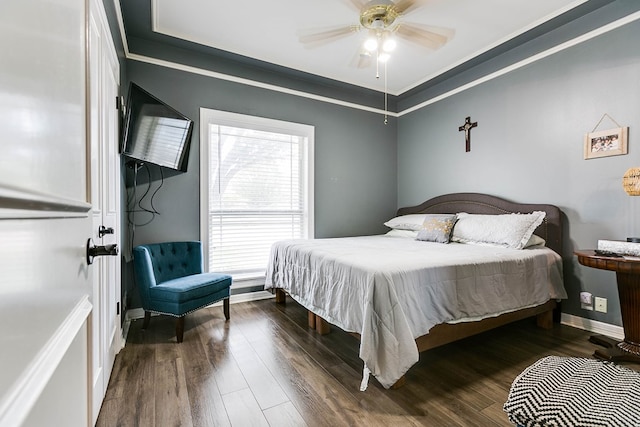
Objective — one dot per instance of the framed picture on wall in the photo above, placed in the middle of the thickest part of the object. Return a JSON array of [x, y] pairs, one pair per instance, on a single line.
[[611, 142]]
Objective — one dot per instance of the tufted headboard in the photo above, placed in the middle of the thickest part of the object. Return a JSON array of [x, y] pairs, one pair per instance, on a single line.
[[477, 203]]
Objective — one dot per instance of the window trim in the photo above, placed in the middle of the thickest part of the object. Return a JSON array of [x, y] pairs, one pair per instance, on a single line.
[[225, 118]]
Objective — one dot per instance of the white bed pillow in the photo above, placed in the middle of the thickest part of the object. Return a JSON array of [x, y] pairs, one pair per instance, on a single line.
[[535, 240], [403, 233], [406, 222], [508, 230]]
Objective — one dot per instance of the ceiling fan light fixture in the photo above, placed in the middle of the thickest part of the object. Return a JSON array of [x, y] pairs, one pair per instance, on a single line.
[[383, 57], [389, 45], [371, 44]]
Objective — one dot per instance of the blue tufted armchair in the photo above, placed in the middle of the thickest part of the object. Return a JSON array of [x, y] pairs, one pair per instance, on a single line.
[[171, 281]]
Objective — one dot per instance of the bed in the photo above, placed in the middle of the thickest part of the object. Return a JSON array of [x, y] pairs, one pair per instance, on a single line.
[[402, 295]]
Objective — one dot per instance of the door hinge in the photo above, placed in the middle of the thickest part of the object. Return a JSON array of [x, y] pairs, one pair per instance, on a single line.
[[118, 308], [120, 105]]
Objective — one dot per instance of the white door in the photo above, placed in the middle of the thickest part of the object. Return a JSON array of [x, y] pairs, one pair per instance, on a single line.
[[44, 214], [105, 201]]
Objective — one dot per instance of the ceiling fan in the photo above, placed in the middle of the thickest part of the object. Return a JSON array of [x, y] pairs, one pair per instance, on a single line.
[[380, 19]]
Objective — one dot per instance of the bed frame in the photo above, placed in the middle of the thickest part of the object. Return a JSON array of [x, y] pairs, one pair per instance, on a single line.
[[474, 203]]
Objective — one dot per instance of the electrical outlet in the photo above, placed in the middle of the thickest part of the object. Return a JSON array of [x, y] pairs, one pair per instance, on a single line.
[[601, 304], [585, 298], [586, 301]]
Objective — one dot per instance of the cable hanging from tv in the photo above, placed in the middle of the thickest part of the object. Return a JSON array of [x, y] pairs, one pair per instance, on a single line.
[[134, 205]]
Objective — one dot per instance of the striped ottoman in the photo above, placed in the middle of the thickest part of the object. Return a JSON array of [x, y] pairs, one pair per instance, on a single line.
[[571, 392]]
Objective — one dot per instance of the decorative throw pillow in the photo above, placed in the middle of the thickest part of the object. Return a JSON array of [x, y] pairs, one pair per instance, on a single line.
[[508, 230], [406, 222], [437, 228]]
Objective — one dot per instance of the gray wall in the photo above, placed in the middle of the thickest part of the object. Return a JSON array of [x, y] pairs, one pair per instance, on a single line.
[[528, 147], [355, 155]]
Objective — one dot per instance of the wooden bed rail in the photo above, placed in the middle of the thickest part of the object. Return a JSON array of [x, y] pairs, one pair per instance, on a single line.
[[445, 333]]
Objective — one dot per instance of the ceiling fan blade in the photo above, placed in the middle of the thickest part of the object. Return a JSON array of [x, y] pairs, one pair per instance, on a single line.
[[427, 36], [362, 59], [405, 6], [313, 39], [355, 4]]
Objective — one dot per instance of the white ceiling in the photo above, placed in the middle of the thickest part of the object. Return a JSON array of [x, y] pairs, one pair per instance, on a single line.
[[268, 31]]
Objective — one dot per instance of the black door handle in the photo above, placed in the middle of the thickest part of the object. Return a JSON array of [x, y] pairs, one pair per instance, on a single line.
[[102, 230], [94, 251]]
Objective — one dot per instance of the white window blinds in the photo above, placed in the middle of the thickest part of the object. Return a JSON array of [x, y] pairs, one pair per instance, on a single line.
[[258, 193]]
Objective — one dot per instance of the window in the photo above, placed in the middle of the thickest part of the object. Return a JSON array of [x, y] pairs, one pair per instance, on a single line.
[[256, 188]]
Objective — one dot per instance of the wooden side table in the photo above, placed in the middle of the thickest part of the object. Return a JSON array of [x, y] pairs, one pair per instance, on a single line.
[[628, 277]]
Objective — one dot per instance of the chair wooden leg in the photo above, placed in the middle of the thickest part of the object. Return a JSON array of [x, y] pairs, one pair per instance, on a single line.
[[225, 307], [147, 318], [180, 328]]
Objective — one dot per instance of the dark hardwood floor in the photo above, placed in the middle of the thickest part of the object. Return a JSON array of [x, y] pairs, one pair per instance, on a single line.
[[266, 368]]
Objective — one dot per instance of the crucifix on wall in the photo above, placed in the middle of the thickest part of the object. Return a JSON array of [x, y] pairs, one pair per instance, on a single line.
[[467, 132]]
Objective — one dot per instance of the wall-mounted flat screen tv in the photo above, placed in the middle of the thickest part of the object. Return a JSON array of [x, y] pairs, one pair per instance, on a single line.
[[154, 132]]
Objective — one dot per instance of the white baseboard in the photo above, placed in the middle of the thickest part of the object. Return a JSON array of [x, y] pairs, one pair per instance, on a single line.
[[138, 313], [613, 331]]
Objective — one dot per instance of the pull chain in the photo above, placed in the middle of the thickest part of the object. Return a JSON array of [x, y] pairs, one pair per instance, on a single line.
[[386, 116], [386, 105]]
